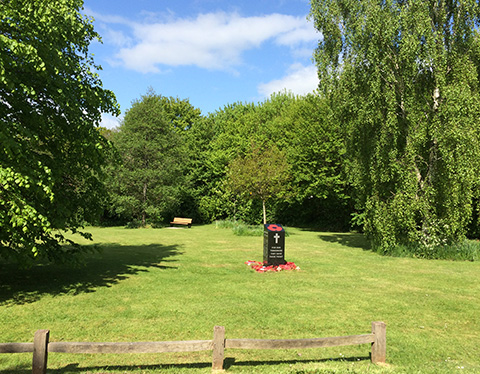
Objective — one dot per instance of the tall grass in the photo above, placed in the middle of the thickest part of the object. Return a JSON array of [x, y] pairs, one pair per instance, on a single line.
[[240, 228], [166, 285], [467, 250]]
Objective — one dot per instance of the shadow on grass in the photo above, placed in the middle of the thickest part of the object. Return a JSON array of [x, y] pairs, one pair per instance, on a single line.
[[229, 362], [352, 240], [111, 265], [347, 239]]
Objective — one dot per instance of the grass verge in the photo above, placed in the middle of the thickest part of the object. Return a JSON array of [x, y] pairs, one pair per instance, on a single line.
[[163, 284]]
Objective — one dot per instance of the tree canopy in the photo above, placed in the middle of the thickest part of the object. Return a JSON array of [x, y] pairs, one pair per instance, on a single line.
[[149, 184], [403, 77], [284, 144], [51, 101], [303, 130], [259, 174]]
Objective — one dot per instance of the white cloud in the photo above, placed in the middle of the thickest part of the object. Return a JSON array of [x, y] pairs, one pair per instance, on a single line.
[[107, 18], [109, 34], [300, 80], [109, 121], [305, 33], [117, 38], [213, 41]]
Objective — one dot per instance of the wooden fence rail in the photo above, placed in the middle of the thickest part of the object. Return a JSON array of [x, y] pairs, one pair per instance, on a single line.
[[41, 346]]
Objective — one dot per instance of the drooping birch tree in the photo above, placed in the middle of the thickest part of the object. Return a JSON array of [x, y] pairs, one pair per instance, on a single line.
[[405, 79]]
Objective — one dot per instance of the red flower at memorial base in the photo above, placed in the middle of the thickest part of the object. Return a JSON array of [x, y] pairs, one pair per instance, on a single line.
[[260, 267], [274, 228]]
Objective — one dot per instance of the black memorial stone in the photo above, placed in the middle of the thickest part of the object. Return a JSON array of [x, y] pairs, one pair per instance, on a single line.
[[273, 245]]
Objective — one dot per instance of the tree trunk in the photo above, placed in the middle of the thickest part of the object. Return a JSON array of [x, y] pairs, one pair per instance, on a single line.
[[264, 213], [144, 214]]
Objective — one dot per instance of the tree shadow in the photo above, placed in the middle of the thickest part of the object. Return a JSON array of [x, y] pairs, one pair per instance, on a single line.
[[348, 239], [353, 240], [112, 264], [229, 362]]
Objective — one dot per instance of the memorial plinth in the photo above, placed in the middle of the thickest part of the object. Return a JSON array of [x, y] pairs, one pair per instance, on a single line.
[[273, 245]]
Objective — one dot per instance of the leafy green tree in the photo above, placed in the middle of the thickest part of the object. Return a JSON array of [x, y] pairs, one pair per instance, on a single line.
[[259, 174], [214, 142], [315, 147], [206, 171], [149, 184], [51, 102], [311, 140], [404, 79]]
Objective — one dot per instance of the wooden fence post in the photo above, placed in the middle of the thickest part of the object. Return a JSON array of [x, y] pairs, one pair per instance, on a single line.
[[218, 347], [379, 346], [40, 352]]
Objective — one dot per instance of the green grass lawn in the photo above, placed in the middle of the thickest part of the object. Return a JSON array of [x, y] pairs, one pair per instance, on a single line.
[[177, 284]]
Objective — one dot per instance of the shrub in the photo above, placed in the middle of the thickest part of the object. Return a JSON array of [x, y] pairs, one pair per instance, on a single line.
[[240, 228], [467, 250]]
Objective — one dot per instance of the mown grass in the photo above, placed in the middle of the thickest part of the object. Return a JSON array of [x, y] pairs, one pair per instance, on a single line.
[[176, 284]]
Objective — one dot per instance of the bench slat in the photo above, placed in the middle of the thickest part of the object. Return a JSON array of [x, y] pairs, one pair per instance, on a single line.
[[181, 221]]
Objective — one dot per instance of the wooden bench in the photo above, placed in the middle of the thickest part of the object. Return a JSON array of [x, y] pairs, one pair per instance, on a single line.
[[182, 221]]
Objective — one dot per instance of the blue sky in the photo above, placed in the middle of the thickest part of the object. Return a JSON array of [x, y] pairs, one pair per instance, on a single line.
[[211, 52]]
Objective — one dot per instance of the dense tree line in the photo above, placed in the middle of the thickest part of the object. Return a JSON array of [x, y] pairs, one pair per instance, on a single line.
[[391, 138], [282, 156]]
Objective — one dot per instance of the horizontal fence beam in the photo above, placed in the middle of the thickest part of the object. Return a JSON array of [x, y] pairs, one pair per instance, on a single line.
[[16, 347], [299, 343], [189, 346], [41, 346], [138, 347]]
